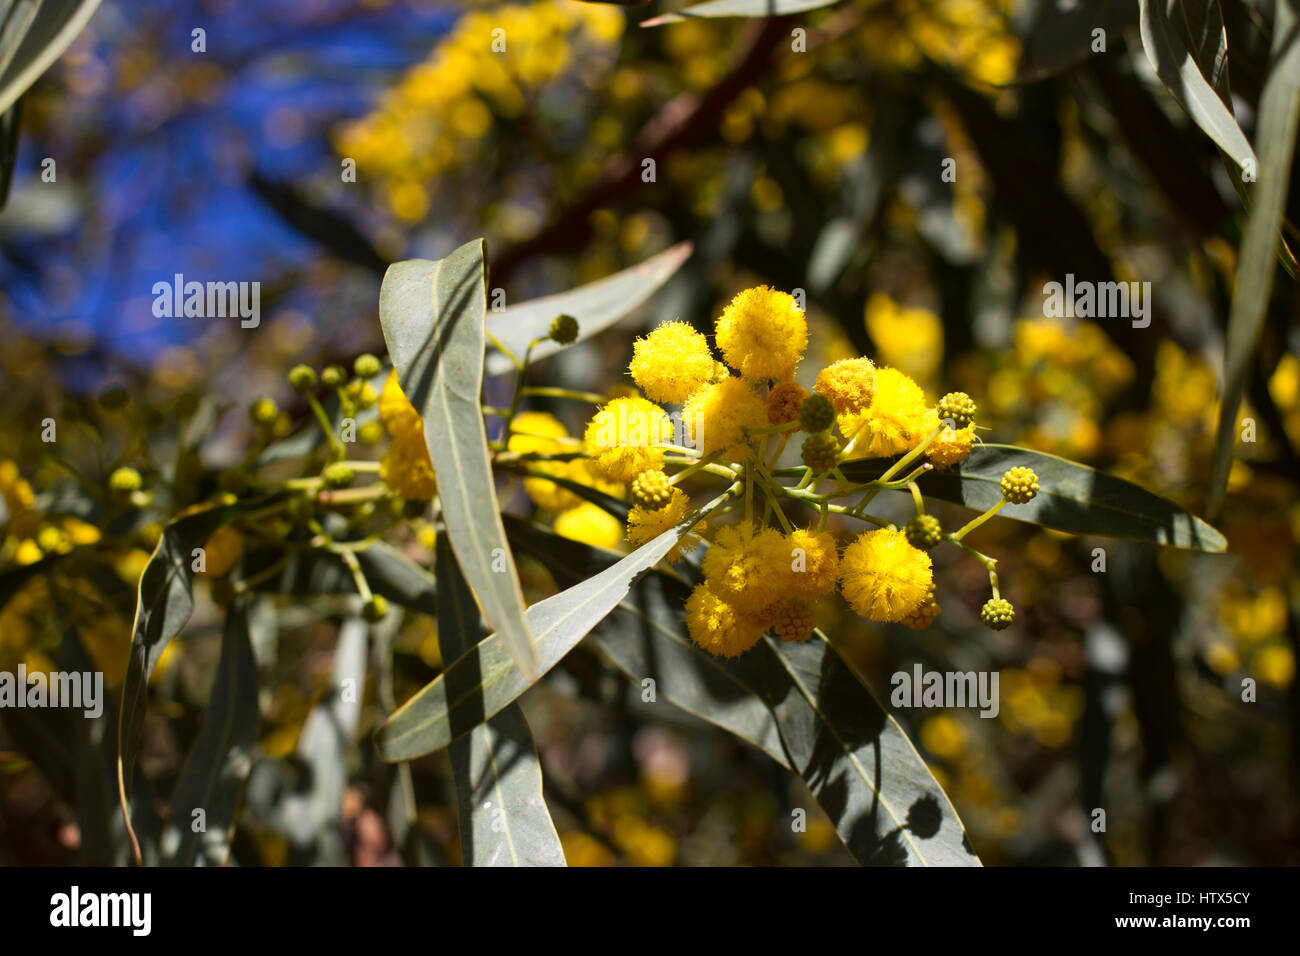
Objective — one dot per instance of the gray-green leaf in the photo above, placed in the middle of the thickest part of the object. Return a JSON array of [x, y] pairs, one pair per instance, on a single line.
[[484, 680], [164, 603], [1279, 110], [503, 816], [1179, 37], [432, 315], [740, 8], [215, 770], [596, 305], [33, 34], [1071, 497]]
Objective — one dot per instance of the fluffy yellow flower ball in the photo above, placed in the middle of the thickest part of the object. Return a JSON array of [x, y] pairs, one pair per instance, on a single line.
[[783, 402], [894, 423], [849, 384], [748, 568], [590, 524], [671, 362], [884, 578], [952, 444], [17, 493], [763, 333], [814, 563], [719, 414], [720, 628], [621, 438], [540, 433], [407, 468], [396, 411], [643, 525], [221, 551]]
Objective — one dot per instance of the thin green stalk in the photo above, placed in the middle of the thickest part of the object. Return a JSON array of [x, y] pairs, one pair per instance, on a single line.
[[977, 521]]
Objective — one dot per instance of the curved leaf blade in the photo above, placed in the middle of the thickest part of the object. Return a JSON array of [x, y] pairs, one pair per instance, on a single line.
[[740, 8], [503, 816], [484, 680], [1174, 32], [34, 36], [1279, 113], [432, 314], [311, 816], [596, 305], [214, 773], [799, 703], [1071, 497], [164, 603], [641, 637]]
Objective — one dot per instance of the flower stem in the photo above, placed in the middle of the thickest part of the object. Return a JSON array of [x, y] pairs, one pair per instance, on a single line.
[[977, 521]]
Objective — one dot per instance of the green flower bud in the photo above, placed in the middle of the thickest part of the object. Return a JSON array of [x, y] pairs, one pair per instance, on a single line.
[[997, 613], [367, 366], [923, 532], [376, 608], [124, 481], [338, 475], [564, 329], [263, 411], [816, 414], [302, 379]]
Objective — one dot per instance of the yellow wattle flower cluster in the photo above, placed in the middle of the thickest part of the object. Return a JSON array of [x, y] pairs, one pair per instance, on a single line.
[[884, 578], [543, 434], [28, 535], [624, 438], [895, 421], [492, 64], [406, 467], [758, 578]]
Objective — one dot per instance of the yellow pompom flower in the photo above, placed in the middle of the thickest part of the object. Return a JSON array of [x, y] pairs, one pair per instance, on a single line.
[[884, 578], [671, 362], [622, 438], [221, 551], [720, 628], [849, 384], [17, 493], [783, 402], [643, 525], [814, 563], [951, 445], [396, 411], [407, 468], [763, 333], [590, 524], [540, 433], [894, 423], [719, 415], [747, 567]]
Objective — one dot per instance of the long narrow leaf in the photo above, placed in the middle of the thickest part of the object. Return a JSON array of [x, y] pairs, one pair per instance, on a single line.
[[1279, 110], [217, 767], [39, 34], [740, 8], [164, 603], [1072, 497], [484, 680], [596, 305], [503, 816], [432, 315], [1173, 33]]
